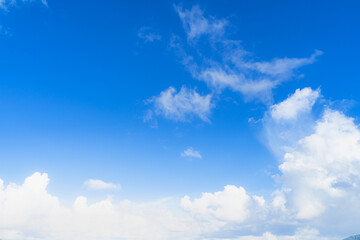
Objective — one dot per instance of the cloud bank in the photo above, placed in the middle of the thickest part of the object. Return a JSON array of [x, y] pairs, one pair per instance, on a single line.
[[318, 186]]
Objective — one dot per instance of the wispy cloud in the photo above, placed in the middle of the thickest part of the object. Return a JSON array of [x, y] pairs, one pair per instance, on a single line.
[[5, 4], [226, 64], [147, 34], [195, 24], [223, 64], [183, 105], [4, 31], [191, 153], [96, 184]]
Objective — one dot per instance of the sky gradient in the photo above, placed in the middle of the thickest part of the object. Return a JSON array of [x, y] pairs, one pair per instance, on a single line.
[[179, 120]]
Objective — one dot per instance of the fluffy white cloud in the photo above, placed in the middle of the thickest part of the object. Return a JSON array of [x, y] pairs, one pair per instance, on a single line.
[[320, 167], [29, 212], [319, 187], [96, 184], [190, 152], [319, 183], [323, 169], [301, 101], [231, 205], [182, 105]]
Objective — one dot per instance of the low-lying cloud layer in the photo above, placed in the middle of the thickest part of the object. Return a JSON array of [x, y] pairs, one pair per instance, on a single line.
[[318, 186]]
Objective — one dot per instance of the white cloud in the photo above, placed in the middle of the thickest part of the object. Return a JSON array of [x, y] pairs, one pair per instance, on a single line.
[[255, 80], [323, 169], [182, 105], [96, 184], [29, 212], [319, 186], [218, 79], [300, 234], [195, 24], [282, 66], [301, 101], [227, 64], [231, 205], [190, 152], [148, 35], [320, 167], [5, 4]]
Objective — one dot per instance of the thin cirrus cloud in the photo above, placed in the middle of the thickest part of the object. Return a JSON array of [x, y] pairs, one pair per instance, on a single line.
[[236, 70], [96, 184], [148, 35], [196, 25], [5, 4], [191, 153], [181, 105]]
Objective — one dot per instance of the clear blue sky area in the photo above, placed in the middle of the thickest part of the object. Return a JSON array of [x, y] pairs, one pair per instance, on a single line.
[[75, 78]]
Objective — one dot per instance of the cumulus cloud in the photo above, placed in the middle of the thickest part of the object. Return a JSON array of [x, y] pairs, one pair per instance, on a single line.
[[319, 163], [190, 152], [323, 169], [318, 184], [182, 105], [148, 35], [29, 211], [96, 184], [232, 204], [301, 101]]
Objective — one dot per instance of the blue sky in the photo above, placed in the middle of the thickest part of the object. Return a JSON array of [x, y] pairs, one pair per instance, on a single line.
[[170, 99]]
